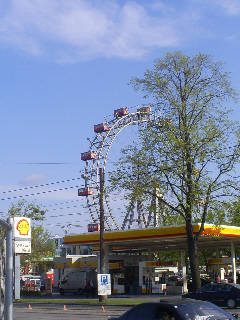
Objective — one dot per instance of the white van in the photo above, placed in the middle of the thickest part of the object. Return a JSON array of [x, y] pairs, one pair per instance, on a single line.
[[76, 282]]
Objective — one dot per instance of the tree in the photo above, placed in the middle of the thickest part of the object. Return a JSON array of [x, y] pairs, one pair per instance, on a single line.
[[28, 210], [190, 153], [234, 212], [41, 247]]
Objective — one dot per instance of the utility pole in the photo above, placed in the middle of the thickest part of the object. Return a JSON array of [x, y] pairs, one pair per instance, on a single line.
[[102, 243]]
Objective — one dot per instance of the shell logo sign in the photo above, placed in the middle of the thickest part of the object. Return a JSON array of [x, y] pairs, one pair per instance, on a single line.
[[23, 227], [22, 235]]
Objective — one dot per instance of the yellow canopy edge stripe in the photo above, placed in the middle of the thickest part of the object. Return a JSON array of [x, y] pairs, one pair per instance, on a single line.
[[160, 232]]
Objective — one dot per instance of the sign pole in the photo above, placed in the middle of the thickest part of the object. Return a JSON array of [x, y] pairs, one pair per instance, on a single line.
[[8, 299], [17, 277], [102, 243], [22, 245]]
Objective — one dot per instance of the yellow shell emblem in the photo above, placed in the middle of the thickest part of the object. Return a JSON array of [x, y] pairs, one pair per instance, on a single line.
[[23, 227]]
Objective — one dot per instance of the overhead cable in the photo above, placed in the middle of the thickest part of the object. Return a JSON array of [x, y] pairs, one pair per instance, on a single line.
[[41, 185]]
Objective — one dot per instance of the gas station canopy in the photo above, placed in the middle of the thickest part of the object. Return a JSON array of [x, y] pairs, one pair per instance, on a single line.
[[166, 238]]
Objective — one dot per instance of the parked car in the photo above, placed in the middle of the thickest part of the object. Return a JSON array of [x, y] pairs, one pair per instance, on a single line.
[[182, 309], [33, 284], [221, 294], [174, 280]]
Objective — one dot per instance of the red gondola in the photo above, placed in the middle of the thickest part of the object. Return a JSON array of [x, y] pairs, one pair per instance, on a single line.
[[121, 112], [89, 155], [101, 127], [93, 227], [85, 191], [144, 110]]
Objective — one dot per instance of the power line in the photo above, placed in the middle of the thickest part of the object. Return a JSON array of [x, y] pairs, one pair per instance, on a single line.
[[38, 193], [57, 204], [64, 208], [39, 163], [41, 185]]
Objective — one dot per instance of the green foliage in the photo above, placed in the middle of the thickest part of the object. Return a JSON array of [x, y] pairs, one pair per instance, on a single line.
[[234, 212], [169, 256], [189, 154], [205, 255], [227, 212], [41, 247], [187, 157], [28, 210]]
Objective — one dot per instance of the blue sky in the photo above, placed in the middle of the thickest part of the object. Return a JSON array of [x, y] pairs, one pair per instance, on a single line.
[[66, 64]]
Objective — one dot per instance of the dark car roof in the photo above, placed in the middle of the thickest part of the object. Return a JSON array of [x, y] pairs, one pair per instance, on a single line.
[[217, 285], [176, 304], [175, 301], [221, 283]]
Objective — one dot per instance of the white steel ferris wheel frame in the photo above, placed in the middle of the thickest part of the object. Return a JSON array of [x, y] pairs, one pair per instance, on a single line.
[[101, 145]]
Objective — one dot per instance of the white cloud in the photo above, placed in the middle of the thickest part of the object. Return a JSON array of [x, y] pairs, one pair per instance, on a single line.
[[33, 180], [83, 29], [73, 30], [232, 7]]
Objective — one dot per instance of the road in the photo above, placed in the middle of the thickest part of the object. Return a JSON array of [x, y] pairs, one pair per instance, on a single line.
[[70, 311], [37, 311], [21, 311]]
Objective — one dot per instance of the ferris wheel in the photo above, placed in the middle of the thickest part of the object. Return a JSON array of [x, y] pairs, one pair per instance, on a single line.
[[96, 158]]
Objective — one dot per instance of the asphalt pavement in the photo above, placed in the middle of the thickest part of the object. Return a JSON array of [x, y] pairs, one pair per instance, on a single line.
[[22, 311], [68, 310]]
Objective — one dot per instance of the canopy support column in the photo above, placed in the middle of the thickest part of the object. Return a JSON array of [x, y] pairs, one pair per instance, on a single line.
[[184, 271], [233, 262]]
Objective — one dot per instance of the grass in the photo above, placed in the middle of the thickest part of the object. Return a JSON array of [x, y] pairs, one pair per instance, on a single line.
[[113, 302]]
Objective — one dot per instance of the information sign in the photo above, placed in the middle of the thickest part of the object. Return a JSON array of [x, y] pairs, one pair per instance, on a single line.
[[22, 247], [104, 284]]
